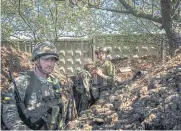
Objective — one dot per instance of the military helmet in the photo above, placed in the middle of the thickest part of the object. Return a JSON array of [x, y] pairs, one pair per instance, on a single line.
[[44, 49], [88, 61], [101, 49]]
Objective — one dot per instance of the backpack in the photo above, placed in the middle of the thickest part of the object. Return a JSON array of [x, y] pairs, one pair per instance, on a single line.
[[79, 84]]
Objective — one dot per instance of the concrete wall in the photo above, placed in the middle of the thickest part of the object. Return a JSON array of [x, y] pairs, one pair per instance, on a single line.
[[73, 51]]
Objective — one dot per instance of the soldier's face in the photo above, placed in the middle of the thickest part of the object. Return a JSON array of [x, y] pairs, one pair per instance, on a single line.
[[102, 55], [47, 64], [89, 66]]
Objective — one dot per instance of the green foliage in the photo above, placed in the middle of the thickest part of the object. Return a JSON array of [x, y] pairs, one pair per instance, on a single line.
[[43, 19], [52, 19]]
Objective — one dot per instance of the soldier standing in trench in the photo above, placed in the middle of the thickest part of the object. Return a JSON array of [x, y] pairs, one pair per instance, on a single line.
[[40, 94], [105, 72], [95, 80], [83, 85]]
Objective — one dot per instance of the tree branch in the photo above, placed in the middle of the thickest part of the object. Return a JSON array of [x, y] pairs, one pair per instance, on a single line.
[[28, 24], [111, 10], [56, 18], [175, 8], [156, 36], [130, 10], [140, 14]]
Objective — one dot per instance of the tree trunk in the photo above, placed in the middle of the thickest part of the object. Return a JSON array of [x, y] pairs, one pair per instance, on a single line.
[[167, 22]]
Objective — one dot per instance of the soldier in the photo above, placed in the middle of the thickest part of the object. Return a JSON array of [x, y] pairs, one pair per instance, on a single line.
[[105, 72], [84, 84], [40, 92]]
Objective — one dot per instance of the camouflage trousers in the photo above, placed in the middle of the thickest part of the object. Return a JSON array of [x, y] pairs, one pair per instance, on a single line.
[[63, 114]]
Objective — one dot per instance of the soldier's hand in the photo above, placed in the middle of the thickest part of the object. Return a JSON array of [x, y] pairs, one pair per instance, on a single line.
[[99, 71], [93, 71]]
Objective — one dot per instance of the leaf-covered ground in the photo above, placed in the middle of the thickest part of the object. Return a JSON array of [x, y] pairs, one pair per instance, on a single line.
[[150, 103]]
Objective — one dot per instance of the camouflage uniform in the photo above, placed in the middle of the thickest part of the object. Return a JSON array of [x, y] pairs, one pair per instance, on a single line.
[[105, 85], [46, 94], [83, 87]]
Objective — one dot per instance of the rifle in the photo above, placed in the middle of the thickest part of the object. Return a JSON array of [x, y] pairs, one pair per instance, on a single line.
[[117, 83], [20, 104], [129, 81], [72, 112]]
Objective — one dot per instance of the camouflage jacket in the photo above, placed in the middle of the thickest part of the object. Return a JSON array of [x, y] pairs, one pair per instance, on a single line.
[[10, 113], [84, 78], [108, 69]]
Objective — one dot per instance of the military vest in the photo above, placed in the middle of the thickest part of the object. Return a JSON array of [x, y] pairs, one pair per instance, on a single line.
[[44, 94], [45, 89]]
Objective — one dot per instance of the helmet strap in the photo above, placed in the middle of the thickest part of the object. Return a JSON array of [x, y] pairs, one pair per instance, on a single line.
[[38, 66]]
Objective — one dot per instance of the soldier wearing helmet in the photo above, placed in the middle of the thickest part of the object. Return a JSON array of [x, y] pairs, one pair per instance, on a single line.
[[105, 72], [44, 56], [83, 85], [40, 93], [88, 64]]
